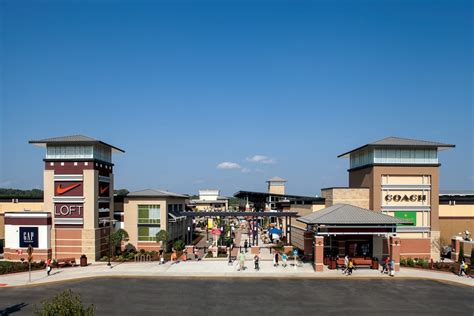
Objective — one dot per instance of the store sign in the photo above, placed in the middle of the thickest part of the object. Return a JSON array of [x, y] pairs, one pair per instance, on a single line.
[[70, 210], [405, 198], [28, 236], [65, 188]]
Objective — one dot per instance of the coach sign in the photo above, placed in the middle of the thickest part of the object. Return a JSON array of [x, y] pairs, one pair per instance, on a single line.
[[28, 236]]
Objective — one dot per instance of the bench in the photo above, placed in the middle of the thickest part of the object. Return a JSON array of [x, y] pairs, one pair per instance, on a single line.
[[358, 262], [65, 261]]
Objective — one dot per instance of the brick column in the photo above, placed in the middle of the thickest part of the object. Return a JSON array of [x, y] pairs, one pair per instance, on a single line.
[[318, 253], [395, 251], [456, 245]]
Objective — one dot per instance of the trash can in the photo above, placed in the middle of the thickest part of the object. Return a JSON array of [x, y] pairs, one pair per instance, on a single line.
[[83, 261]]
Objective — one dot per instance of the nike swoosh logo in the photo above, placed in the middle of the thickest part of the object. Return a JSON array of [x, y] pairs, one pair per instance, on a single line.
[[61, 190], [102, 190]]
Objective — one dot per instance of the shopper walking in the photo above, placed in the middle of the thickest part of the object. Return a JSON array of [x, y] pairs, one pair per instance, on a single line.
[[241, 261], [256, 262], [284, 257], [350, 267], [48, 266], [346, 264], [462, 268], [275, 259]]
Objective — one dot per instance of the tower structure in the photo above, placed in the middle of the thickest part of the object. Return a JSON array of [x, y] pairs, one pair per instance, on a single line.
[[78, 191], [402, 176]]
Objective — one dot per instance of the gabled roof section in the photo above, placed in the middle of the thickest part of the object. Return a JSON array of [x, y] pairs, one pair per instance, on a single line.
[[72, 139], [346, 214], [398, 142], [276, 179], [156, 193]]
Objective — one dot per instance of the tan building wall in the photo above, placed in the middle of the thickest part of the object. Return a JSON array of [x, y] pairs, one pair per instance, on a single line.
[[452, 226], [354, 196], [17, 207], [276, 188], [374, 176], [130, 208]]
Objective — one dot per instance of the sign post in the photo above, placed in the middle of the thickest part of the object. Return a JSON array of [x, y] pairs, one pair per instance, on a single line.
[[30, 258], [295, 253]]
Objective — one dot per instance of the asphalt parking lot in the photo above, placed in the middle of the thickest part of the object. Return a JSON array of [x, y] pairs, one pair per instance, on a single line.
[[124, 296]]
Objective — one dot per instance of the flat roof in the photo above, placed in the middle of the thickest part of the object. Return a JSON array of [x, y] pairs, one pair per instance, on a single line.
[[398, 142], [73, 139], [155, 193], [239, 214]]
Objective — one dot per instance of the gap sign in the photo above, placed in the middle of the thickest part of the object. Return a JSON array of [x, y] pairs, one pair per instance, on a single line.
[[28, 236]]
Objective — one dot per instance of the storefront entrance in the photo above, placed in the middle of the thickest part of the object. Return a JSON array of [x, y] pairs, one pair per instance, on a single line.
[[353, 246]]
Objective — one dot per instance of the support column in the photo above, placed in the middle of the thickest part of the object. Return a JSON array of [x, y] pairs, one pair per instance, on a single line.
[[318, 253], [308, 244], [456, 246], [395, 251]]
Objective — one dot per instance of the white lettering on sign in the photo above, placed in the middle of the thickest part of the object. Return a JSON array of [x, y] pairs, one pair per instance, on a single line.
[[68, 210], [28, 236]]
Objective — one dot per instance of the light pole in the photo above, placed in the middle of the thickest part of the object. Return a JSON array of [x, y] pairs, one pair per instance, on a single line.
[[108, 221]]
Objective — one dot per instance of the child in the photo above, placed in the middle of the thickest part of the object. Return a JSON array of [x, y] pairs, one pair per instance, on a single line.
[[350, 266], [283, 258], [255, 262]]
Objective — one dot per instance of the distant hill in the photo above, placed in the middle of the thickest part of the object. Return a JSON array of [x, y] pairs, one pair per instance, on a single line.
[[17, 193]]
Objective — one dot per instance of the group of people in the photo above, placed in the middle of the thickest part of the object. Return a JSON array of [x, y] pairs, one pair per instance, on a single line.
[[388, 266], [348, 266], [256, 262], [284, 258]]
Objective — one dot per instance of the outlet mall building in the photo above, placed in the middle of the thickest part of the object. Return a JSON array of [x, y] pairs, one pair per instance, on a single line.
[[393, 195]]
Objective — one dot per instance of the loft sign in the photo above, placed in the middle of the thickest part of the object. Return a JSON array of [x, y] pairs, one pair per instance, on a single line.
[[68, 210], [405, 198]]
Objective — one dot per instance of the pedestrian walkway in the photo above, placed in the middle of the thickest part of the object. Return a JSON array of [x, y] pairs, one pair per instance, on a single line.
[[213, 269]]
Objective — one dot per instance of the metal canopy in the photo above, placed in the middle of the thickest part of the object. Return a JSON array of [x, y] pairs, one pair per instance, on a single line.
[[238, 214]]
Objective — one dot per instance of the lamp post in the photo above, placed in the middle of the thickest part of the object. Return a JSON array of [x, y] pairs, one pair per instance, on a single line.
[[108, 221]]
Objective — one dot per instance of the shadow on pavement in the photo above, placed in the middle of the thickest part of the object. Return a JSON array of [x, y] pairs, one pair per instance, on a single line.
[[12, 309]]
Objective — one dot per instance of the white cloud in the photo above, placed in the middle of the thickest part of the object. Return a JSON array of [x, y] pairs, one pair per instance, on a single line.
[[261, 159], [246, 170], [228, 165]]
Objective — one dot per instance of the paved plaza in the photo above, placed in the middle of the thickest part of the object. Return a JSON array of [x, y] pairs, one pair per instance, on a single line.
[[230, 296], [216, 268]]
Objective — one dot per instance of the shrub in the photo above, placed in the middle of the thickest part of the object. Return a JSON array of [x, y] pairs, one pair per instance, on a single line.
[[65, 303], [403, 261], [461, 253], [178, 245], [130, 248], [104, 258], [410, 262]]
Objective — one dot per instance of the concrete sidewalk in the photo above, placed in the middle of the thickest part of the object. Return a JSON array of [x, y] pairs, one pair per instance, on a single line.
[[210, 269]]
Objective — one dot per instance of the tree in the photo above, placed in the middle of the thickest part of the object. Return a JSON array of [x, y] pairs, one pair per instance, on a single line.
[[461, 253], [162, 236], [65, 303], [178, 245], [117, 237]]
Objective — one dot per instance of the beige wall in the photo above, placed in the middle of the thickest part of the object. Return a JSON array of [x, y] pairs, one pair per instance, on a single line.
[[458, 210], [276, 189], [354, 196], [17, 207]]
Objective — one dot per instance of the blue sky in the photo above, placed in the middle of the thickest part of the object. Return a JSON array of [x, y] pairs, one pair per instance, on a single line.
[[185, 86]]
